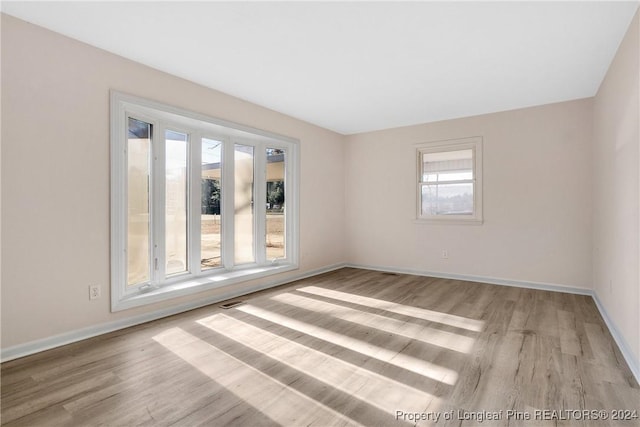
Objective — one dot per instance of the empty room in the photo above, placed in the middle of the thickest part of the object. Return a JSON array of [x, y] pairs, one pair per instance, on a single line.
[[320, 213]]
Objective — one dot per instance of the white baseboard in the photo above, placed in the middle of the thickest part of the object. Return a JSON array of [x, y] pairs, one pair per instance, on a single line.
[[481, 279], [632, 362], [48, 343]]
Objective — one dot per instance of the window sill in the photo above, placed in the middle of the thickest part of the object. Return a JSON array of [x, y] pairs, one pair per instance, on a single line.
[[448, 221], [194, 285]]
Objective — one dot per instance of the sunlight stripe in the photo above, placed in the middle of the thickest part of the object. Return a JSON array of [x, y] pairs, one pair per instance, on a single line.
[[444, 339], [419, 313], [277, 401], [421, 367], [370, 387]]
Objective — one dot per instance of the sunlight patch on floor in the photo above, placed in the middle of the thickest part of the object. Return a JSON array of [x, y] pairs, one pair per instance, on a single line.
[[407, 310], [374, 389], [448, 340], [421, 367], [277, 402]]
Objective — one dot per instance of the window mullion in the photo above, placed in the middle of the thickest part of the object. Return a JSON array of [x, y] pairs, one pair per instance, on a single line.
[[227, 205], [194, 166], [259, 204], [158, 220], [459, 181], [291, 204]]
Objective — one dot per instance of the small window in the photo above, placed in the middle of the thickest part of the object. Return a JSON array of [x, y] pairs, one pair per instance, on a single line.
[[450, 181]]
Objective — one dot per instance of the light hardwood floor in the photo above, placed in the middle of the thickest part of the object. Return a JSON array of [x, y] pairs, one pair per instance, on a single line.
[[351, 347]]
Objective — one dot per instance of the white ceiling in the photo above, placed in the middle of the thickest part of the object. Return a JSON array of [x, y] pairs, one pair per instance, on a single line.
[[360, 66]]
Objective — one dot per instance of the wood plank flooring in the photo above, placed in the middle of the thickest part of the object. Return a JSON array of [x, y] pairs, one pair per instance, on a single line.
[[351, 347]]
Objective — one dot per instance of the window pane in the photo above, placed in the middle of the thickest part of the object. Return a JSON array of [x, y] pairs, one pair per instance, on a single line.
[[176, 202], [275, 203], [211, 255], [243, 197], [447, 166], [138, 171], [447, 199]]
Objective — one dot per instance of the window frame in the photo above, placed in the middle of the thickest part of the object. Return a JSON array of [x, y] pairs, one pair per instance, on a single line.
[[196, 126], [475, 145]]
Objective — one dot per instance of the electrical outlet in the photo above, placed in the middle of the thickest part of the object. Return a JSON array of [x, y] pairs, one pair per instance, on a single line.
[[94, 292], [445, 254]]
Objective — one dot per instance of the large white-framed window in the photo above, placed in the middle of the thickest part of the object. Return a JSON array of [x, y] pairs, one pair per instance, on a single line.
[[449, 177], [196, 202]]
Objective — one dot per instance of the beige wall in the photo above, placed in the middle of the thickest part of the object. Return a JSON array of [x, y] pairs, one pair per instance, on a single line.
[[55, 177], [537, 198], [616, 181]]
